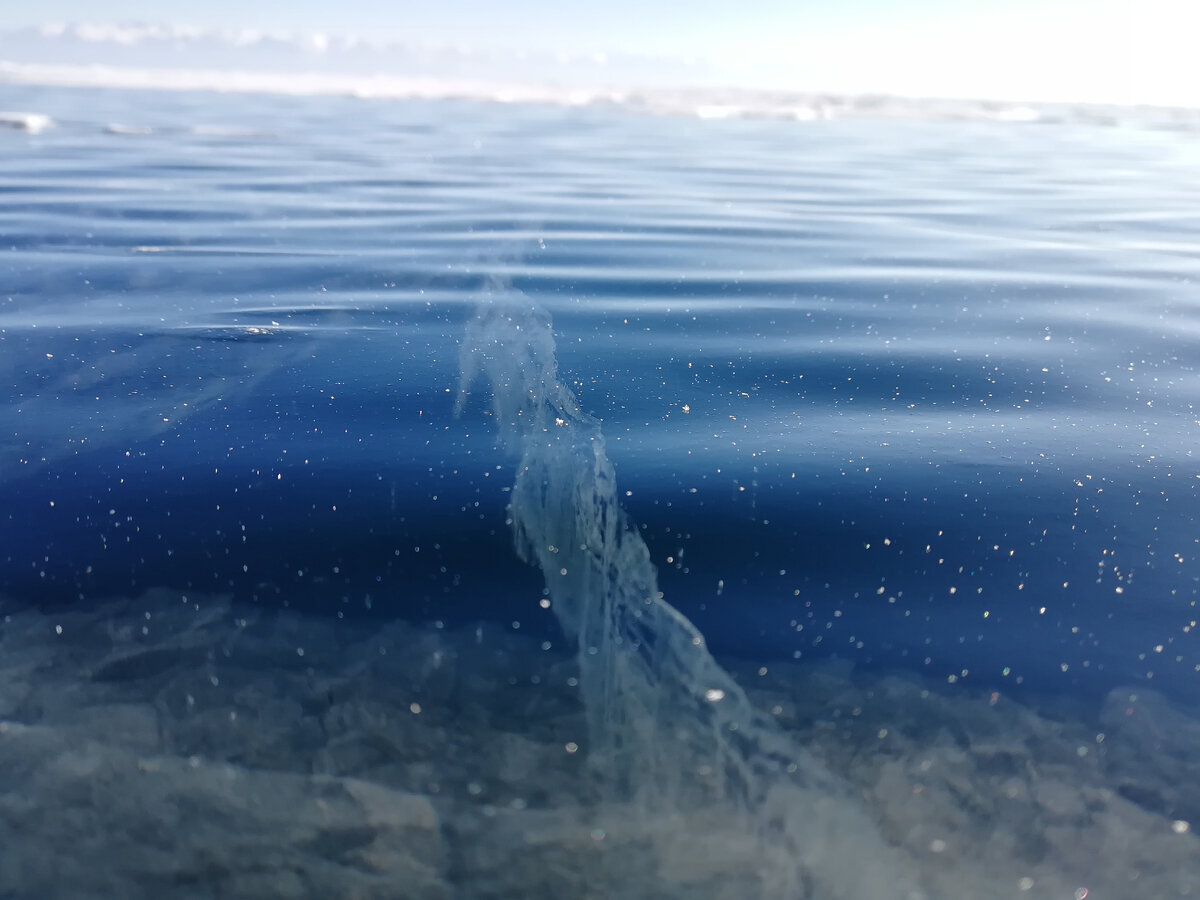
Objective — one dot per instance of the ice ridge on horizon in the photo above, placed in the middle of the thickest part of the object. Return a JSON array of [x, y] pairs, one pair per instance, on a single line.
[[176, 57]]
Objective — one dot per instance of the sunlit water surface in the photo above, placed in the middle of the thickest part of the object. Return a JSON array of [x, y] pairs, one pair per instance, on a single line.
[[904, 410]]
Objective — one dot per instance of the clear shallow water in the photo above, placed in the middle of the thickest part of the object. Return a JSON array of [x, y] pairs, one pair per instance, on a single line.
[[912, 396], [817, 349]]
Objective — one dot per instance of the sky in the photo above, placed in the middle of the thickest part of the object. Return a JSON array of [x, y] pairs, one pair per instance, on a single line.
[[1120, 51]]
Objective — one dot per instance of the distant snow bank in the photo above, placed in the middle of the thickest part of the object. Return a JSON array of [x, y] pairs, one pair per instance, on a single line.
[[700, 102], [26, 121]]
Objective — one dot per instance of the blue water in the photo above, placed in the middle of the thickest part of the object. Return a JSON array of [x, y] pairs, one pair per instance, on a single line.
[[912, 394], [905, 412]]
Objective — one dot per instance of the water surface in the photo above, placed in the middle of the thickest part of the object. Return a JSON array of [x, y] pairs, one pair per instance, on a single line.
[[908, 399]]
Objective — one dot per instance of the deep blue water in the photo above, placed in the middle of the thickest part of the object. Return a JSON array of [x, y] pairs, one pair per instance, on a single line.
[[916, 394]]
